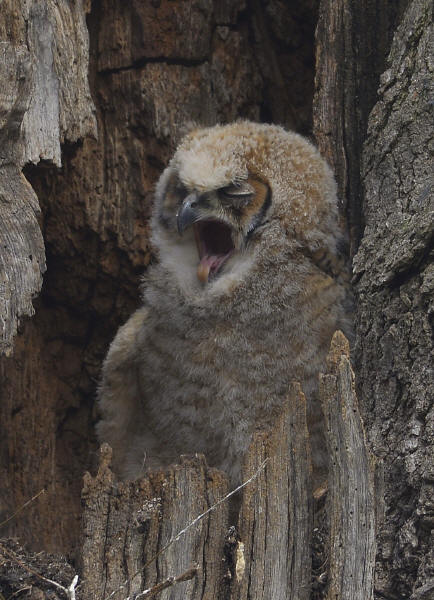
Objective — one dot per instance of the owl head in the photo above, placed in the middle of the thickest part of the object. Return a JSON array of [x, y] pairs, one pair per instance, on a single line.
[[237, 195]]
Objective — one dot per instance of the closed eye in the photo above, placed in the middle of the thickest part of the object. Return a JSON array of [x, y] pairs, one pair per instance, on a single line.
[[237, 195]]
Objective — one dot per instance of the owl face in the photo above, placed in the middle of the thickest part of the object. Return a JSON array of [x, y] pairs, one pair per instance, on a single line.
[[233, 193], [221, 221]]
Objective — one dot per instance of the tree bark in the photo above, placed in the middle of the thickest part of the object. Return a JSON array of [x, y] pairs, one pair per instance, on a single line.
[[22, 257], [128, 529], [45, 102], [170, 530], [352, 492], [152, 68], [275, 524], [352, 42], [393, 334], [393, 272], [387, 178]]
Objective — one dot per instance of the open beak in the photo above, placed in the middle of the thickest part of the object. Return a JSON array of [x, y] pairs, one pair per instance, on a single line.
[[213, 237], [188, 213]]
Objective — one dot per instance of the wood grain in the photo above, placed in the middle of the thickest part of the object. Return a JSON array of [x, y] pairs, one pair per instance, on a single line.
[[275, 523], [128, 528], [351, 482]]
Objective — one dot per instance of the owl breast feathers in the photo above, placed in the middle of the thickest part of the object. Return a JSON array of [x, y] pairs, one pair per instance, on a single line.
[[245, 297]]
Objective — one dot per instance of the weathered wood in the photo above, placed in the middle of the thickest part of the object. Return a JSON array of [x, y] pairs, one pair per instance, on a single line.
[[22, 257], [61, 108], [393, 266], [273, 558], [351, 482], [128, 528], [44, 101], [146, 534], [394, 278], [346, 81], [16, 71], [333, 34]]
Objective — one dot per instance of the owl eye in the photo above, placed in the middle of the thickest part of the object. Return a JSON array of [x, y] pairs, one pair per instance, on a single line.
[[237, 194], [181, 192]]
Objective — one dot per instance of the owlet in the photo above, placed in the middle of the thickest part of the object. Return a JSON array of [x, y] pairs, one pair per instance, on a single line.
[[245, 297]]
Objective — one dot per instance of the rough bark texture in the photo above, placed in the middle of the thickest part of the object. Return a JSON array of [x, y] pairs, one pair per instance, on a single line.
[[275, 524], [352, 502], [146, 534], [127, 525], [153, 67], [352, 41], [44, 101], [393, 268], [22, 258], [394, 272]]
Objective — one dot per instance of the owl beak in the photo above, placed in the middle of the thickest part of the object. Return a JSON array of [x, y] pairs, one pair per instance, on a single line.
[[188, 213]]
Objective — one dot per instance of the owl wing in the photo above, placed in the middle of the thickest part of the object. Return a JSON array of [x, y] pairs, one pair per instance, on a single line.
[[119, 395]]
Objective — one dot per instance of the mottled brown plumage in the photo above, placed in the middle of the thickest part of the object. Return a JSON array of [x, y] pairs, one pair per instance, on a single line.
[[245, 297]]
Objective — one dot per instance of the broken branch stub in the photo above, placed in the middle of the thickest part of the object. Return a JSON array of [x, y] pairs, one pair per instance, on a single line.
[[131, 529], [351, 499], [273, 556]]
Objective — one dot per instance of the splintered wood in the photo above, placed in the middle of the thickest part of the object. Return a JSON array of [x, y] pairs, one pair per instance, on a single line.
[[275, 523], [351, 482], [22, 257], [131, 540], [169, 534], [131, 532]]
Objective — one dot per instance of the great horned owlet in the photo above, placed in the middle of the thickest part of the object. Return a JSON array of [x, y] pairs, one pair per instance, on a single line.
[[244, 299]]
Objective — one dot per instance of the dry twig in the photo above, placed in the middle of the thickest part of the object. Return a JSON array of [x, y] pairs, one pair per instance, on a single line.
[[159, 587], [69, 591], [22, 508]]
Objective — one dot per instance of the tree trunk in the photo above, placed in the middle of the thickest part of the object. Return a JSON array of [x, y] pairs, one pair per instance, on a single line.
[[393, 272], [92, 158]]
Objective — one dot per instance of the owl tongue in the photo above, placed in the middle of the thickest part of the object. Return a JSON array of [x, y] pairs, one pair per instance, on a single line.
[[214, 245], [209, 264]]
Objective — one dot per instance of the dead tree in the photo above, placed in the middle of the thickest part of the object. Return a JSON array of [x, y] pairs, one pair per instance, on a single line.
[[93, 99]]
